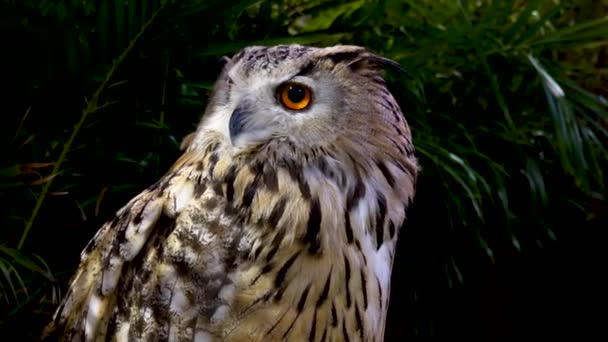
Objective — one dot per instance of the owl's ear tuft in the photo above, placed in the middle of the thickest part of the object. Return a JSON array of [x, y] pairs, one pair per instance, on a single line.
[[345, 56], [358, 58], [372, 61]]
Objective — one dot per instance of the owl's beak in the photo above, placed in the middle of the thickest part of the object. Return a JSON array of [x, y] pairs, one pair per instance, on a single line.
[[238, 120]]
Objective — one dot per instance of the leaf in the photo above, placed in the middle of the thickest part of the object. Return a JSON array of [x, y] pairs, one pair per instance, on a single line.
[[324, 17], [578, 33], [7, 271], [536, 181], [533, 30], [21, 259], [522, 19]]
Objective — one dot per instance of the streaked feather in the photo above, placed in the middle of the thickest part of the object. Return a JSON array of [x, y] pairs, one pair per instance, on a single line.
[[285, 234]]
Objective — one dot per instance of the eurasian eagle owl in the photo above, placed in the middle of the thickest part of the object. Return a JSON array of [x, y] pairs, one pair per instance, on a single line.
[[278, 222]]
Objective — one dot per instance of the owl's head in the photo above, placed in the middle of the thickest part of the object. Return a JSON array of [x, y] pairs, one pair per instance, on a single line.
[[305, 98]]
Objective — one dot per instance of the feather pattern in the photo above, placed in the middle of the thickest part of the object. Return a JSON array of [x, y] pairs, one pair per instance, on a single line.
[[285, 233]]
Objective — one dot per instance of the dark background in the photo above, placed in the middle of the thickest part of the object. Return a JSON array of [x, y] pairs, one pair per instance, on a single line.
[[504, 239]]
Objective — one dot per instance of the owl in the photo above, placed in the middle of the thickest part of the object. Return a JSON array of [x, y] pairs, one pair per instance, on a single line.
[[277, 223]]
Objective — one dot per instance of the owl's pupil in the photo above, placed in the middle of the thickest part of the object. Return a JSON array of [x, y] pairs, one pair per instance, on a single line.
[[296, 94]]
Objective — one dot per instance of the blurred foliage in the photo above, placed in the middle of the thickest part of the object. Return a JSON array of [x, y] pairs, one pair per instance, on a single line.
[[506, 100]]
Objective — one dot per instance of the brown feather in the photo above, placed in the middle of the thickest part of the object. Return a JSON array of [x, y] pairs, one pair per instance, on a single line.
[[284, 231]]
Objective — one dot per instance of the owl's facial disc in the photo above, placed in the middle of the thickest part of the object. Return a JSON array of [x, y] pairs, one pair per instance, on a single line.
[[295, 98], [273, 107], [303, 99]]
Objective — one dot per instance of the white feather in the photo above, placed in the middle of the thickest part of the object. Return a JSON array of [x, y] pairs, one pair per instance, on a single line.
[[136, 235], [203, 336], [111, 275], [92, 320]]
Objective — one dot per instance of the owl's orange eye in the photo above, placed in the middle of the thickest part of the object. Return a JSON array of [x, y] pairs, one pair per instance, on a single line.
[[295, 96]]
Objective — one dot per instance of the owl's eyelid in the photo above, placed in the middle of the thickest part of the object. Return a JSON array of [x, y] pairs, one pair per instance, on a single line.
[[295, 79], [299, 79], [306, 81]]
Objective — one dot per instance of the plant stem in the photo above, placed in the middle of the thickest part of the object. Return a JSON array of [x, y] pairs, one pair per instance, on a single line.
[[90, 108]]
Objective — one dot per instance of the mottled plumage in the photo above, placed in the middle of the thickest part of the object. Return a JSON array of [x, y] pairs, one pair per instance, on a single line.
[[275, 224]]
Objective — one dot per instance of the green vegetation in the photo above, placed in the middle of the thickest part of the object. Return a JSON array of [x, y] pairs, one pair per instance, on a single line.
[[506, 100]]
